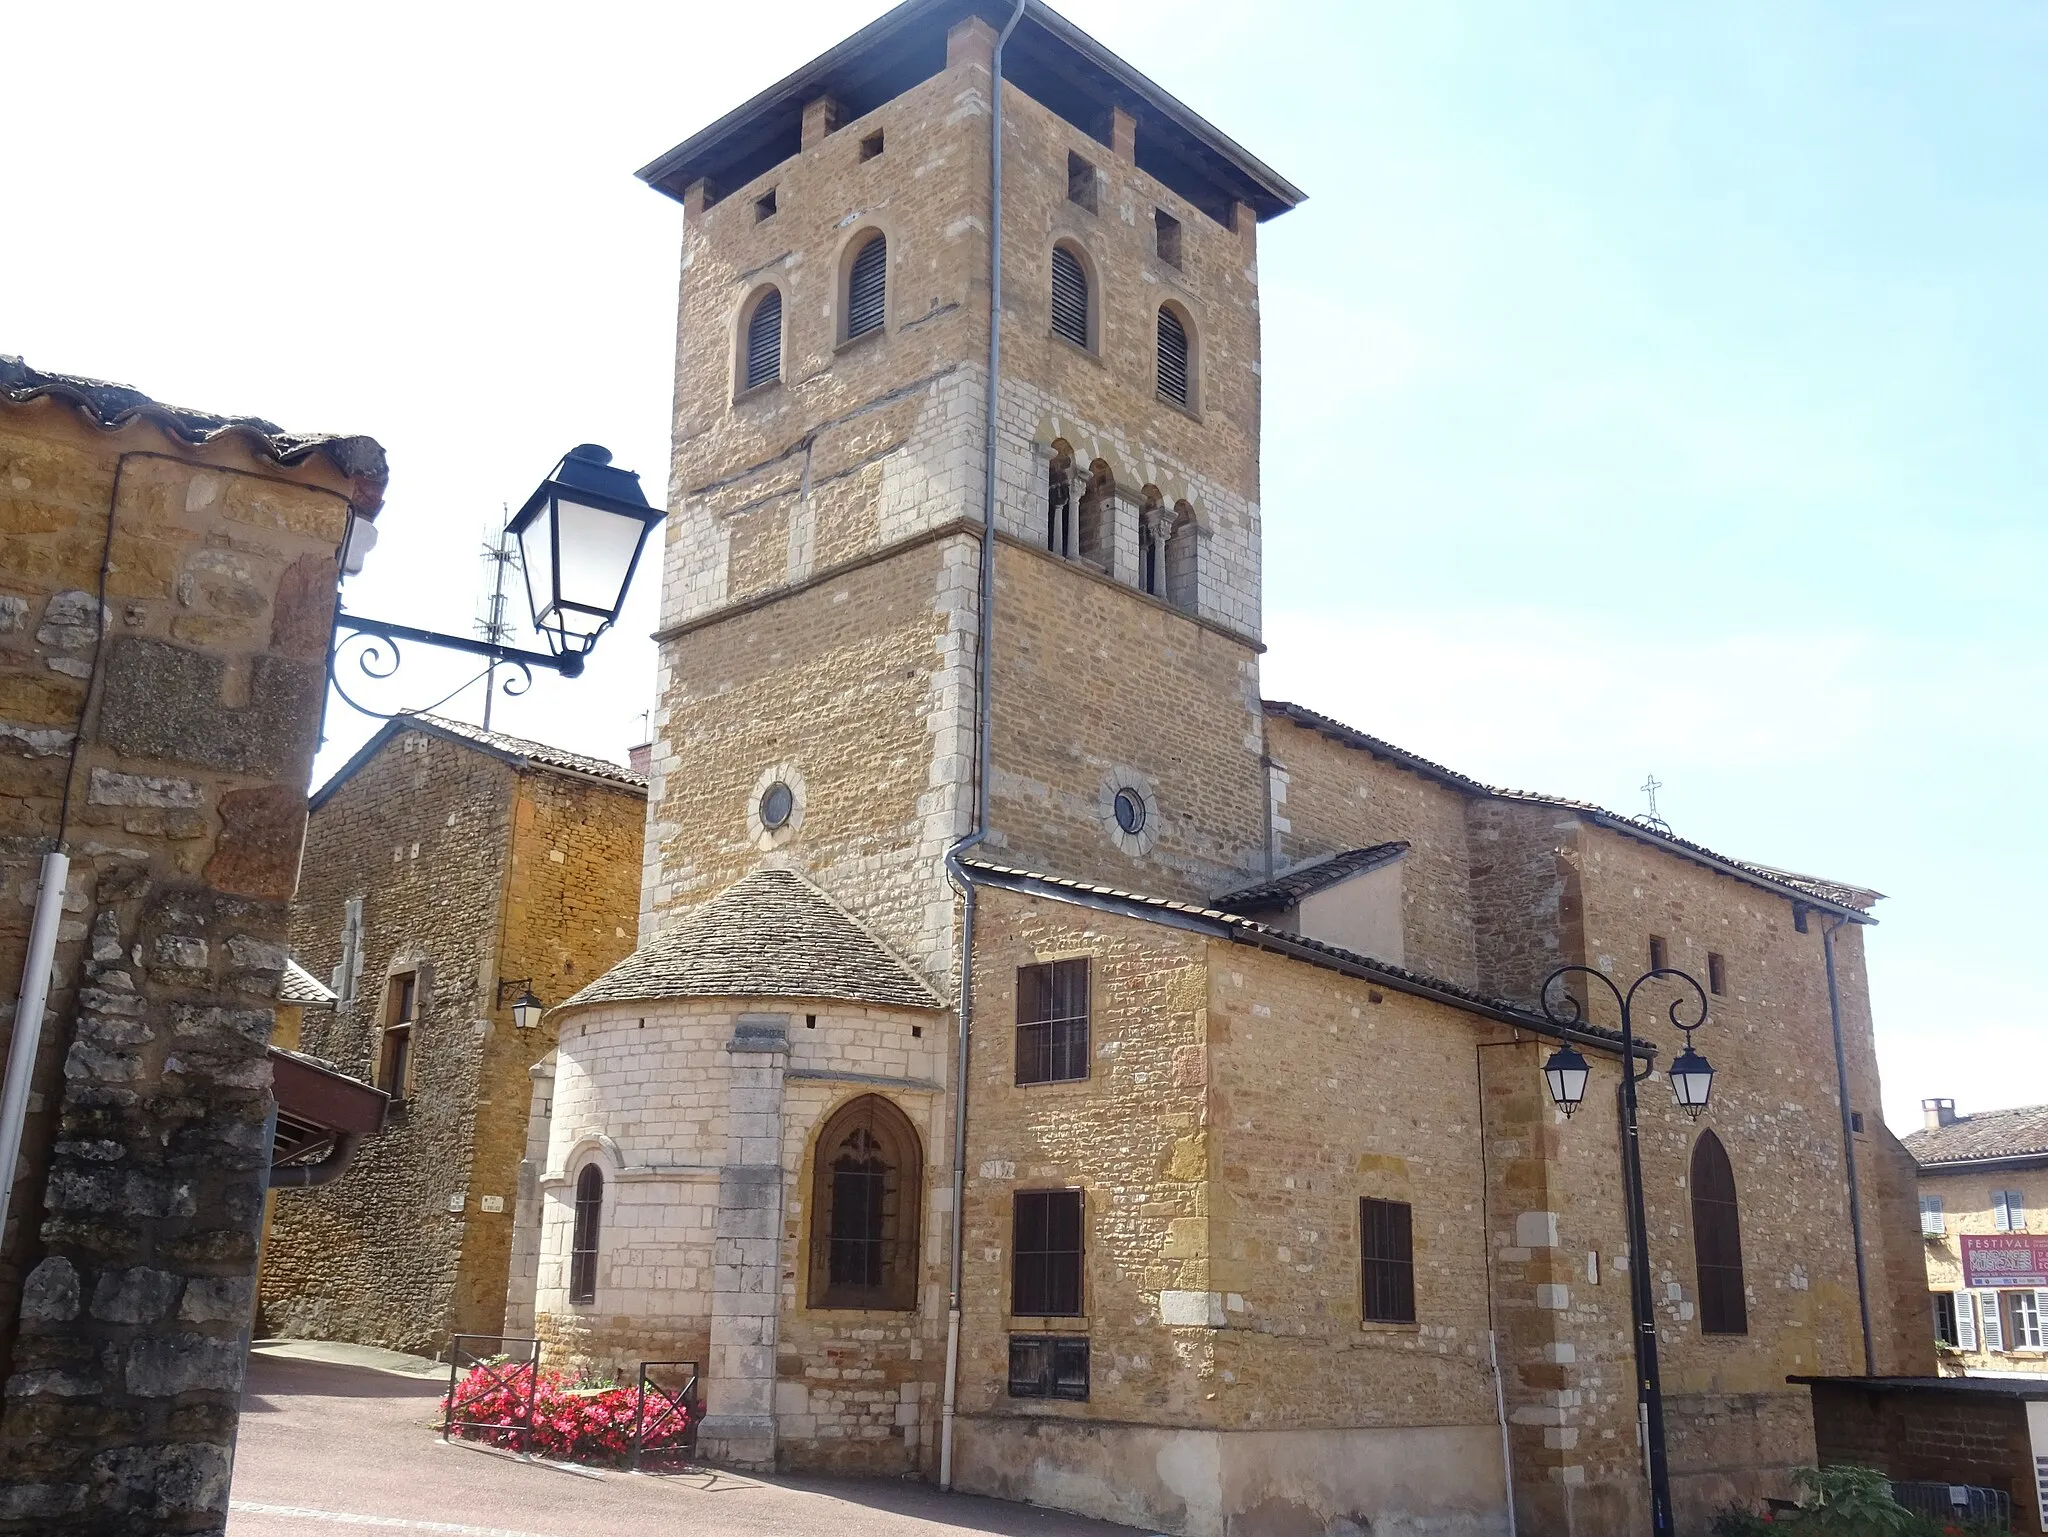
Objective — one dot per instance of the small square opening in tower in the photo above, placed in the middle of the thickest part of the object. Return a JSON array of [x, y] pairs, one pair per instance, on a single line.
[[871, 146], [764, 206], [1080, 182], [1166, 236]]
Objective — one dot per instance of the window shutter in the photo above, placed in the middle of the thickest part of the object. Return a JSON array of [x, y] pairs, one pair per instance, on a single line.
[[1994, 1324], [1966, 1320], [2040, 1317], [764, 340], [2016, 1211], [1069, 297], [866, 289], [2001, 1221], [1173, 358], [1930, 1216]]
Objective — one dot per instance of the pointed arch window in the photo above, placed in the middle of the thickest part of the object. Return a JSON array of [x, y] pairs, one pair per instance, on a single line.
[[1717, 1239], [1173, 359], [583, 1238], [764, 341], [867, 288], [1069, 296], [866, 1189]]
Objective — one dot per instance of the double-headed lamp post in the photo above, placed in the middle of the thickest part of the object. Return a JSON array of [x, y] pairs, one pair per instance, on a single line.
[[1692, 1083]]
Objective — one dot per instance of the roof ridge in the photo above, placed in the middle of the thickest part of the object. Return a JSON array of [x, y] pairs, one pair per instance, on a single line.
[[1839, 895]]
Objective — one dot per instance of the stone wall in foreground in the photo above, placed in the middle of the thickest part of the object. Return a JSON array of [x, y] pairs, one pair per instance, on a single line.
[[166, 738]]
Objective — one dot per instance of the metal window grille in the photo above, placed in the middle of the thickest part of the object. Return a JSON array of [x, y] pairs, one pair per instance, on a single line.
[[583, 1240], [1717, 1239], [1047, 1254], [1173, 358], [1048, 1366], [1069, 297], [1052, 1021], [859, 1230], [764, 340], [1387, 1260], [866, 288]]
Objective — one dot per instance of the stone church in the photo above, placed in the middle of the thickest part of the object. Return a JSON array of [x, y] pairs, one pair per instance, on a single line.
[[1053, 1068]]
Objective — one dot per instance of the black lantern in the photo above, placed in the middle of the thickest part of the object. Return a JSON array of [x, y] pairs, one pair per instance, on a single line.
[[580, 535], [526, 1010], [1566, 1072], [1692, 1079]]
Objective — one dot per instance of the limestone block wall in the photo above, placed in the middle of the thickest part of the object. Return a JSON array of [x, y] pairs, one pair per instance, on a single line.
[[420, 836], [165, 738], [1093, 691], [854, 691], [646, 1091], [1329, 797]]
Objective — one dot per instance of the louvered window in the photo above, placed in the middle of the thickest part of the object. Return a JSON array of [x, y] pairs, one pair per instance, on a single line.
[[1717, 1240], [1173, 358], [764, 340], [1069, 297], [866, 288]]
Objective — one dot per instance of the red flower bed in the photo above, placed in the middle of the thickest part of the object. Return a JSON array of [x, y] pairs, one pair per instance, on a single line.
[[569, 1424]]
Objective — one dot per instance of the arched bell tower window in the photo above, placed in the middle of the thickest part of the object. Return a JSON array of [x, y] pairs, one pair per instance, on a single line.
[[866, 1189], [1152, 546], [1176, 375], [583, 1238], [1717, 1239], [1094, 531], [762, 359], [1059, 502], [867, 280], [1069, 296]]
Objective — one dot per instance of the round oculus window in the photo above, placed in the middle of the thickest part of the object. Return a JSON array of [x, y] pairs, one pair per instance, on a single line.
[[777, 802], [1130, 811]]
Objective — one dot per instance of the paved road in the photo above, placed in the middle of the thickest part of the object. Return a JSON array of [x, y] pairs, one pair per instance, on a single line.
[[338, 1451]]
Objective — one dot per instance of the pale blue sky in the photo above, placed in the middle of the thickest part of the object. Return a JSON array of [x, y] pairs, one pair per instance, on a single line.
[[1647, 388]]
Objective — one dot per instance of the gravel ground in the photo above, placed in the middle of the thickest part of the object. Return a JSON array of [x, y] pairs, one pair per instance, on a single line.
[[334, 1449]]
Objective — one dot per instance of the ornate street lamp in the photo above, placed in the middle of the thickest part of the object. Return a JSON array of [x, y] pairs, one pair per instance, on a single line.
[[1692, 1082], [526, 1009], [580, 536]]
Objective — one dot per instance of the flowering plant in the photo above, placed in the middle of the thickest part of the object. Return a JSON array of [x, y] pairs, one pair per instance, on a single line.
[[570, 1424]]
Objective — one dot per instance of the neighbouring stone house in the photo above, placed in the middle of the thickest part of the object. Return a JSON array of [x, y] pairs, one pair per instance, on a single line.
[[1984, 1186], [1178, 1151], [167, 586], [448, 869]]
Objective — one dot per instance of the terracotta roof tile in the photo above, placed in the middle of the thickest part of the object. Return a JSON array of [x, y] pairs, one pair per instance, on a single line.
[[2017, 1133]]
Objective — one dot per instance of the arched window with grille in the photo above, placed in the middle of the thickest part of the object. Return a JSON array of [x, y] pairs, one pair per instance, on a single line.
[[1176, 383], [584, 1235], [867, 281], [867, 1186], [1717, 1239], [763, 352]]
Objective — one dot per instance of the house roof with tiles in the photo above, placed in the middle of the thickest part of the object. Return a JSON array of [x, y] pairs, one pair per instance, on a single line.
[[300, 986], [1305, 880], [111, 407], [1989, 1136], [517, 751], [1249, 931], [1837, 897], [771, 934]]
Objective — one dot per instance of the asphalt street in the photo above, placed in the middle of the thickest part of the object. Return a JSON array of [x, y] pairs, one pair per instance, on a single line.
[[340, 1450]]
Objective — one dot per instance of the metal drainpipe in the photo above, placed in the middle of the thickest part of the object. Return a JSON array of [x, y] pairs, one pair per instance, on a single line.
[[1827, 946], [28, 1017], [984, 668]]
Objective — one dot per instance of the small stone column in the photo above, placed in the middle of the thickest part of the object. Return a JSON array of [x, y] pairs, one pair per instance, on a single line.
[[746, 1291]]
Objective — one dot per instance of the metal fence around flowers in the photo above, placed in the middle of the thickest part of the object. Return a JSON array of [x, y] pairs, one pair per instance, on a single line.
[[1970, 1505], [666, 1412], [491, 1391]]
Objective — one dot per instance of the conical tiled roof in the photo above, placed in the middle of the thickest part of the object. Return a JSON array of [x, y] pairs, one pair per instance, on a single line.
[[772, 934]]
